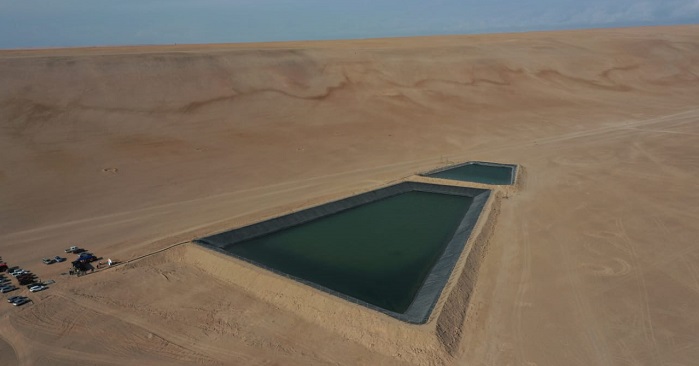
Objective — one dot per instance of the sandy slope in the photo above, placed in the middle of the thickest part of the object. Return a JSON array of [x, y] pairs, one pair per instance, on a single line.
[[129, 150]]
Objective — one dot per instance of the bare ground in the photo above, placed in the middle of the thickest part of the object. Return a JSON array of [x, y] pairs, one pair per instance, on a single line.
[[127, 151]]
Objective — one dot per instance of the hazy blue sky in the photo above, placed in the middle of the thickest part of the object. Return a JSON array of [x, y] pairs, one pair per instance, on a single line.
[[53, 23]]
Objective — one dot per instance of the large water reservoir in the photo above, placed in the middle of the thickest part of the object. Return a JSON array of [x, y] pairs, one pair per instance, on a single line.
[[391, 249]]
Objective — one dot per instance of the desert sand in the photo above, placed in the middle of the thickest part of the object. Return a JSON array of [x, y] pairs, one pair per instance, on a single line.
[[131, 152]]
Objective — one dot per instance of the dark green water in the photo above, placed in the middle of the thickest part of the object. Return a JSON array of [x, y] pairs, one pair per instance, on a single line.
[[479, 173], [380, 252]]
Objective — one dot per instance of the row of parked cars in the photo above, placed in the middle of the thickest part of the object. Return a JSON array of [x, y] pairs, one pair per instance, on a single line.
[[71, 250], [6, 285], [56, 259], [24, 278]]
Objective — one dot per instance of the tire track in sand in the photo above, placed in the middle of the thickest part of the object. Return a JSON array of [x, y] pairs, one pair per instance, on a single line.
[[599, 354], [248, 194], [190, 344], [647, 324], [8, 354], [522, 288]]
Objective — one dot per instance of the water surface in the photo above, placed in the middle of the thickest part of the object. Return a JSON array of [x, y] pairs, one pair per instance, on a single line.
[[479, 173], [379, 253]]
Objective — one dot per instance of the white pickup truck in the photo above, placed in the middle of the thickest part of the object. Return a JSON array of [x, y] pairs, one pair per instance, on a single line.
[[72, 249]]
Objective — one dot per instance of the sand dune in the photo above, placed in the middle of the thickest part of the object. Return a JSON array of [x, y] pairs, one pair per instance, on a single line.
[[130, 150]]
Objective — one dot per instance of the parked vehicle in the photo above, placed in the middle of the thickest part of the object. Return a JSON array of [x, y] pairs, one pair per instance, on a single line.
[[18, 272], [26, 281], [25, 276], [72, 249], [15, 298], [7, 289], [48, 260], [59, 259], [21, 302], [87, 257], [38, 288]]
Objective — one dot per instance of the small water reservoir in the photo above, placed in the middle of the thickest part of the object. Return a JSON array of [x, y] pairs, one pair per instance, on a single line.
[[479, 172]]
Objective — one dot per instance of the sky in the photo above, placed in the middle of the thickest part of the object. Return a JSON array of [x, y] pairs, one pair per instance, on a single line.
[[73, 23]]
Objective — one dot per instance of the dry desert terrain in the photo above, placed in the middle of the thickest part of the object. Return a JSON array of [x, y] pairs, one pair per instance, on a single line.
[[131, 152]]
